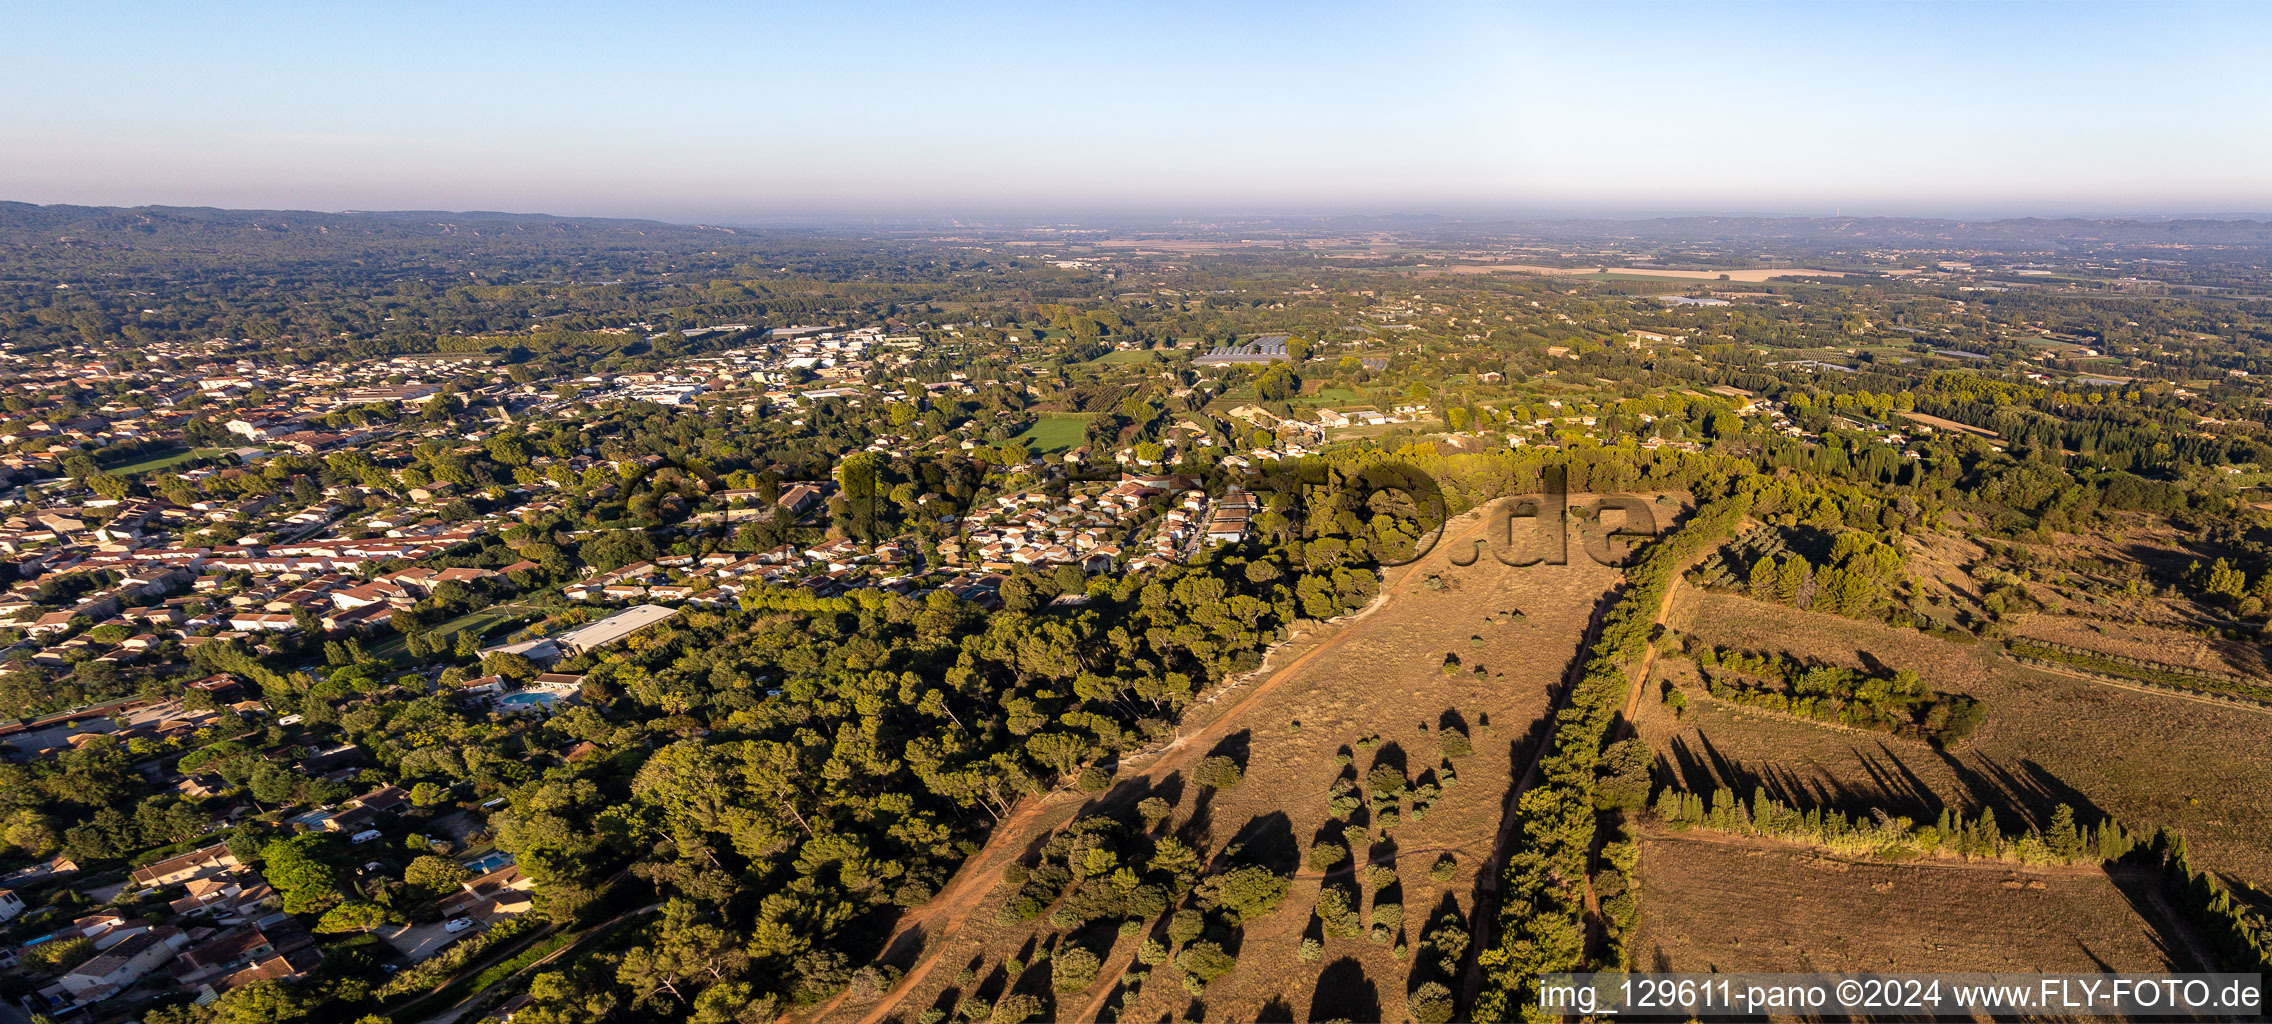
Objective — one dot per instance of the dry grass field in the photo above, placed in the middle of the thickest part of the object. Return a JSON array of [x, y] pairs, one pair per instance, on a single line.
[[1713, 903], [2148, 758], [1379, 675]]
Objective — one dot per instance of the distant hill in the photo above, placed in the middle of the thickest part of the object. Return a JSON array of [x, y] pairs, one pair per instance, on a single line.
[[185, 230]]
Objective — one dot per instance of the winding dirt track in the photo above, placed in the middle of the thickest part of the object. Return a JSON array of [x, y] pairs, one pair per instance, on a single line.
[[948, 911]]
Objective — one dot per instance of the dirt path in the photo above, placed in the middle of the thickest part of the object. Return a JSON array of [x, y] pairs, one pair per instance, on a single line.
[[1486, 903], [1486, 910], [1639, 684], [951, 908]]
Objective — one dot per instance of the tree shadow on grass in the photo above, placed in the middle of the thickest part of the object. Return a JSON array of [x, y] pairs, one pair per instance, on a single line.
[[1267, 840], [1237, 746], [1345, 993]]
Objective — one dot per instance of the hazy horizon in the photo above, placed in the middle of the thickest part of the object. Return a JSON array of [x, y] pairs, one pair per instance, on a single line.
[[731, 115]]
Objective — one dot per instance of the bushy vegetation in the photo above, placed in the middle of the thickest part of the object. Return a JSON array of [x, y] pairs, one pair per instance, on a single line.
[[1896, 702], [2063, 841], [2139, 670]]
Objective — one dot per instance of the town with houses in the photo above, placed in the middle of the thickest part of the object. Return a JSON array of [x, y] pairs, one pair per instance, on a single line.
[[112, 586]]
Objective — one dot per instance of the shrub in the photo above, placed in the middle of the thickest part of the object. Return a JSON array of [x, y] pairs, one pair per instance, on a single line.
[[1073, 968], [872, 981], [1386, 781], [1431, 1003], [1218, 772], [1311, 951], [1335, 910], [1151, 953], [1016, 1008], [1249, 891], [1324, 856], [1205, 961], [1185, 926]]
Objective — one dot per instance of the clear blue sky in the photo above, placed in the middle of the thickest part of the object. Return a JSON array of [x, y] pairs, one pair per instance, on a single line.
[[746, 112]]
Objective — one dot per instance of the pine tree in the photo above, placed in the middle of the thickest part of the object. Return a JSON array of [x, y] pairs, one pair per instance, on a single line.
[[1790, 578], [2061, 837], [1762, 582]]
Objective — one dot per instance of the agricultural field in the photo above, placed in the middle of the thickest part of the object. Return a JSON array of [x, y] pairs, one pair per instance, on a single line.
[[1716, 903], [2149, 758], [1442, 682]]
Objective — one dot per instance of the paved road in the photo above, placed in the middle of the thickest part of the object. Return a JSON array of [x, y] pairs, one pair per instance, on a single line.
[[418, 941]]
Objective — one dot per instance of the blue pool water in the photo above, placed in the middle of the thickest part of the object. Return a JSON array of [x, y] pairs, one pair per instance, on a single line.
[[489, 863], [527, 698]]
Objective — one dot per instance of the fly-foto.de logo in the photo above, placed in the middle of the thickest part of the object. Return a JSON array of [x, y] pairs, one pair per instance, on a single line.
[[1546, 541]]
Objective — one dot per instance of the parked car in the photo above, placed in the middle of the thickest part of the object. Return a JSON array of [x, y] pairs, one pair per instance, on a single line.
[[457, 924], [364, 836]]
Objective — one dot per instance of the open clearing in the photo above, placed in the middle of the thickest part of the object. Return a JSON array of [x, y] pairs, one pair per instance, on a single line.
[[1715, 903], [1056, 431], [2147, 758], [1378, 674]]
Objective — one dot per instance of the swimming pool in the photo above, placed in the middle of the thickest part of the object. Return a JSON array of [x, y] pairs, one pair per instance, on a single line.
[[528, 697], [489, 862]]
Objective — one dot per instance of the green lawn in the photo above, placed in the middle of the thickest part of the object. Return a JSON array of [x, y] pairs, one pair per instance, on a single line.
[[1057, 431], [164, 459], [482, 623], [1134, 355]]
